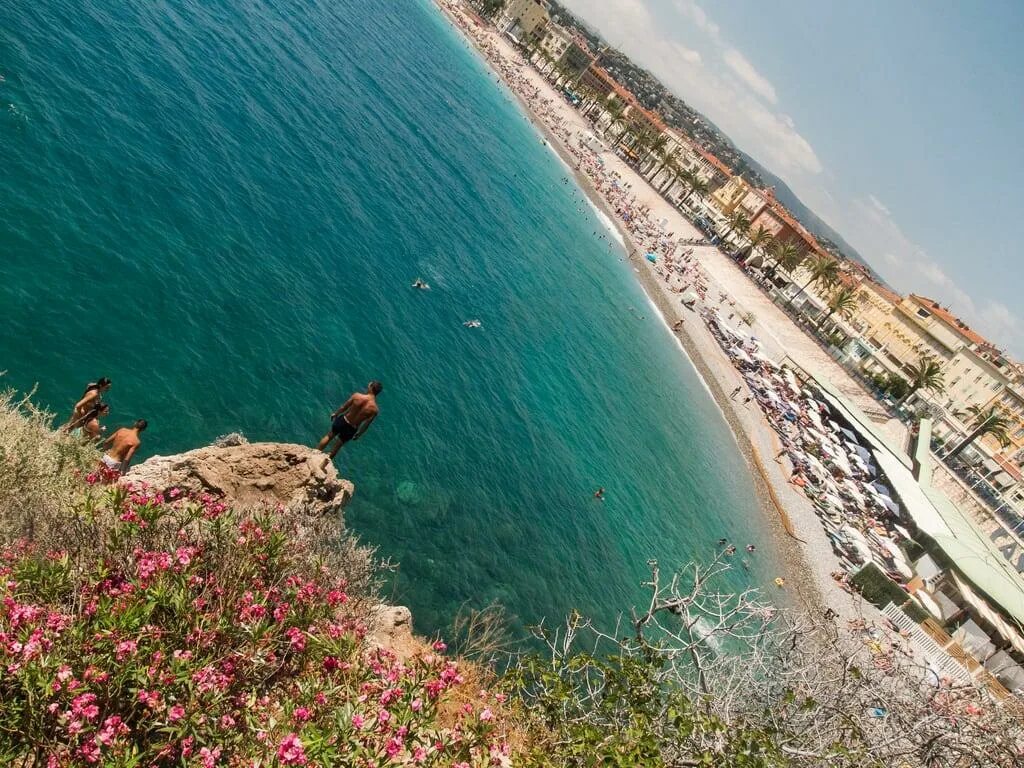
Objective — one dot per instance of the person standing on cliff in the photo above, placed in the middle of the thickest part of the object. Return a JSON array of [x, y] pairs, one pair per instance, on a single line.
[[352, 418], [121, 446]]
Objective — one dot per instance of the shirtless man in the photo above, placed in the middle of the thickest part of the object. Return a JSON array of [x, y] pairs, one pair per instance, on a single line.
[[353, 418], [121, 446]]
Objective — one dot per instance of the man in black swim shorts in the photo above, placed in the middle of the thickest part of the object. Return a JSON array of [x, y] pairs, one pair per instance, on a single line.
[[352, 418]]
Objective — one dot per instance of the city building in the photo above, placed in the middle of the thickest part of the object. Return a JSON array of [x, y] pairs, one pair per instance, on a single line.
[[524, 20], [730, 195], [555, 42]]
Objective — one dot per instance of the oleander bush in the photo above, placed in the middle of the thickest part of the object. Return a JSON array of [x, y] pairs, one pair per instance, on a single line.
[[191, 634]]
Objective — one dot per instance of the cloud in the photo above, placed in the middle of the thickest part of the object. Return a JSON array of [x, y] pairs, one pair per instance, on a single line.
[[735, 96], [700, 19], [879, 206], [746, 72], [688, 55]]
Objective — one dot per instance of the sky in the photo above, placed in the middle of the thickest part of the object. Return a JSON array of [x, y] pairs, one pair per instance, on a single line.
[[900, 124]]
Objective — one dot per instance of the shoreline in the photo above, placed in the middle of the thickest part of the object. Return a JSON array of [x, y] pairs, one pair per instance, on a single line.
[[803, 549]]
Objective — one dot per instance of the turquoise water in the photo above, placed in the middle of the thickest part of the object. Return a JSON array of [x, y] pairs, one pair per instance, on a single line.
[[221, 205]]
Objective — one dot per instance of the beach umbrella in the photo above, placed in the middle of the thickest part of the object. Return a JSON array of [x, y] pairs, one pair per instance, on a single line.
[[652, 257], [740, 355], [882, 489], [690, 298], [848, 433], [861, 451], [889, 504]]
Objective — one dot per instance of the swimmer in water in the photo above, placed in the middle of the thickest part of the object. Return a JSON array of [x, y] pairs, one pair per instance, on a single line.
[[472, 323], [419, 285]]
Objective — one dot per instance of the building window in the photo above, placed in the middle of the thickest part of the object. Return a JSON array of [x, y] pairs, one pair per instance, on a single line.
[[923, 313]]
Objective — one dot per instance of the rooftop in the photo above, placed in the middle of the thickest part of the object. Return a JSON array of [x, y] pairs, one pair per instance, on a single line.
[[949, 319]]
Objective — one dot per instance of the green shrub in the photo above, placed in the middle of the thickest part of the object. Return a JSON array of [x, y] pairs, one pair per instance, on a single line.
[[879, 590]]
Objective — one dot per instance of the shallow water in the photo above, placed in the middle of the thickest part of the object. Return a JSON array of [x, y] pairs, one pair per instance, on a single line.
[[221, 206]]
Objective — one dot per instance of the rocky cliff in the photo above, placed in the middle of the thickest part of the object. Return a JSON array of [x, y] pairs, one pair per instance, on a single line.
[[251, 473]]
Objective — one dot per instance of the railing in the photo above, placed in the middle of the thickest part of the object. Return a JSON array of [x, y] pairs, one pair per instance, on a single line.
[[925, 642], [947, 655]]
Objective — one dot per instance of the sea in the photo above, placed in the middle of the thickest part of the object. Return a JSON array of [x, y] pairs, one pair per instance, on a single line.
[[222, 205]]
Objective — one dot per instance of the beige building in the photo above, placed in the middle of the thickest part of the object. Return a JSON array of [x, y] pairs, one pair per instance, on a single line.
[[555, 42], [524, 20]]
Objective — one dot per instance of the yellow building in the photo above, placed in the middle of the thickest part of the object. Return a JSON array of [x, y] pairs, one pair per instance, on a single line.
[[1011, 402], [728, 197]]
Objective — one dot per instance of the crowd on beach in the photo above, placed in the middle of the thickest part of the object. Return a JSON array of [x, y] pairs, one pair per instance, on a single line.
[[829, 461]]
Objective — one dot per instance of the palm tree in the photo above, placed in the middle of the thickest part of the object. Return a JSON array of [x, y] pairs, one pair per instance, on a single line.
[[782, 252], [791, 260], [676, 173], [925, 374], [824, 271], [738, 222], [758, 238], [656, 146], [842, 303], [697, 185], [989, 421], [662, 158], [614, 108]]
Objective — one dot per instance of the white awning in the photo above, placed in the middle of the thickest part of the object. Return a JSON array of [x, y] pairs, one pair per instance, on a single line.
[[989, 614]]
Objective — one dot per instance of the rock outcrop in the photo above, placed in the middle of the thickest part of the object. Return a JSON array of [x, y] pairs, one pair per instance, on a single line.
[[251, 473]]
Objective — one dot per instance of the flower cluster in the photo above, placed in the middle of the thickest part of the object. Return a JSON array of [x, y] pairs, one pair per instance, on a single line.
[[205, 637]]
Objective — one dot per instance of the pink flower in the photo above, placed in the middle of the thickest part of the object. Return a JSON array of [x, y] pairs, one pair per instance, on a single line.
[[416, 705], [419, 755], [175, 713], [125, 648], [486, 715], [302, 714], [208, 757], [290, 751], [358, 721], [390, 695], [393, 747], [227, 721], [112, 728], [440, 647], [296, 638]]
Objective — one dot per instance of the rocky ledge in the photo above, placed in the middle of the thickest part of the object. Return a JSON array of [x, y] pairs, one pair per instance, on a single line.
[[245, 473]]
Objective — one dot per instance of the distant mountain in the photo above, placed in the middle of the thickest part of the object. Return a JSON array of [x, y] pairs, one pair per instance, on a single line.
[[805, 215]]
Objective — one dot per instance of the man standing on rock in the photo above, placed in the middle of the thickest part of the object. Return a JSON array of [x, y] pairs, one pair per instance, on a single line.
[[121, 446], [353, 418]]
